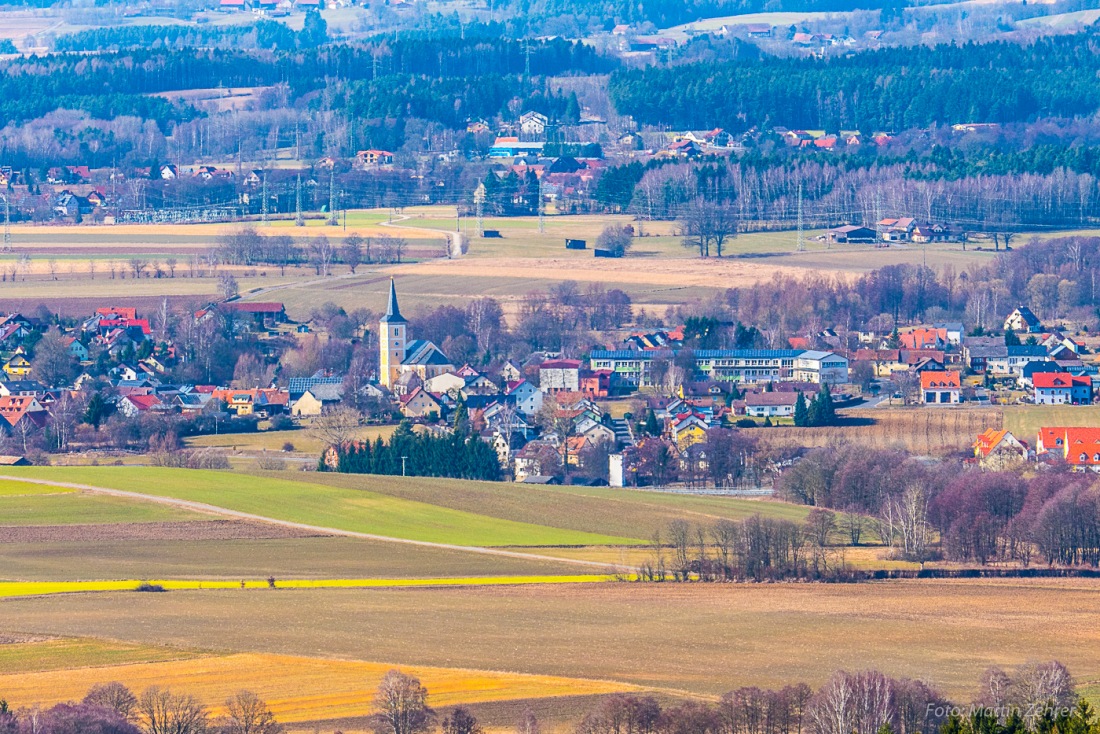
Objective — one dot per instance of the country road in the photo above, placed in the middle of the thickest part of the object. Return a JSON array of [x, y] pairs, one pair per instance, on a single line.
[[237, 515]]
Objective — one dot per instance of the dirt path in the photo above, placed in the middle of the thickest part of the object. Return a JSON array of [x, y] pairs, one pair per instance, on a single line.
[[237, 515]]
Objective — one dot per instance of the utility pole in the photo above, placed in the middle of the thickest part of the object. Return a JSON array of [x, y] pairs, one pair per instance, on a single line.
[[263, 211], [479, 200], [299, 220], [332, 218], [542, 214], [7, 225], [801, 234]]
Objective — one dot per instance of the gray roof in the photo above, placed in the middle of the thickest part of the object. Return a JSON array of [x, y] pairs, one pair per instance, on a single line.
[[299, 385]]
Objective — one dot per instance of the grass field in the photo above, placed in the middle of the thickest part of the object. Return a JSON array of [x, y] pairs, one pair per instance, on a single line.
[[274, 440], [699, 638], [298, 689], [588, 509], [65, 653], [1024, 421], [68, 508], [325, 506]]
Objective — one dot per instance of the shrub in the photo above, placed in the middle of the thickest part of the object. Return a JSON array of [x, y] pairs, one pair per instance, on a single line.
[[146, 586]]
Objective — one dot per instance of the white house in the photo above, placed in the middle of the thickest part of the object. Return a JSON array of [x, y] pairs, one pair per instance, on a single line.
[[821, 367], [770, 404]]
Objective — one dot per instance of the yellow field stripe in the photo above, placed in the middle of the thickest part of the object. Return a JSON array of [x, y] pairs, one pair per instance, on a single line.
[[10, 589], [296, 688]]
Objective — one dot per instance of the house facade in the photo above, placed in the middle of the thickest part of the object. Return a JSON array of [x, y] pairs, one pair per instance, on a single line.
[[1061, 388], [940, 388]]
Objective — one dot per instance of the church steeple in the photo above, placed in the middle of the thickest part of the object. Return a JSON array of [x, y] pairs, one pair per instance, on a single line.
[[393, 313], [392, 341]]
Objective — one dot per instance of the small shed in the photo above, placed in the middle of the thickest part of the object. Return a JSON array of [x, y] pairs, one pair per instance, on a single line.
[[575, 244]]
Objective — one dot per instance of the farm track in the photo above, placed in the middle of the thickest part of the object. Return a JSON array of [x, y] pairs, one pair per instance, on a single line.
[[237, 515]]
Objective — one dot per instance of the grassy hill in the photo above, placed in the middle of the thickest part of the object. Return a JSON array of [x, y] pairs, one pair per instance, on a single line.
[[327, 506]]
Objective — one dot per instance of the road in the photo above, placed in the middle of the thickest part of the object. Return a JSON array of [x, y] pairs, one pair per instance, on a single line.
[[236, 515]]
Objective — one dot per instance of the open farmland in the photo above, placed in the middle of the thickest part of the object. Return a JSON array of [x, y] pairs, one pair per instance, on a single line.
[[928, 431], [298, 689], [703, 639], [322, 506], [590, 509], [77, 508]]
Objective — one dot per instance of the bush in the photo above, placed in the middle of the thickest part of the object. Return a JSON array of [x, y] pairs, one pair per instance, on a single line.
[[288, 446], [270, 463], [146, 586], [281, 423], [745, 423]]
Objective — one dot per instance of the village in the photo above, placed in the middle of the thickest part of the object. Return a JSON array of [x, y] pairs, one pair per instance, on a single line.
[[641, 411]]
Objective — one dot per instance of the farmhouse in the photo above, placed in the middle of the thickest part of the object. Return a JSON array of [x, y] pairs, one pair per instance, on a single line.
[[852, 234]]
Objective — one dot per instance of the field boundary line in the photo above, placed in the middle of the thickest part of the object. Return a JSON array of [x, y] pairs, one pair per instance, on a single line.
[[239, 515]]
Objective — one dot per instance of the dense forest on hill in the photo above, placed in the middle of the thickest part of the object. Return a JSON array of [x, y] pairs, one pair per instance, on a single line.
[[888, 89], [422, 76]]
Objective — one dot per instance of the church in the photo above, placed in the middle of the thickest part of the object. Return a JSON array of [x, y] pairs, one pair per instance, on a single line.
[[399, 356]]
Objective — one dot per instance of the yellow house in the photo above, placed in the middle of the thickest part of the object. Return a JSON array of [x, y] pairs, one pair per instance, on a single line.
[[688, 430], [18, 367]]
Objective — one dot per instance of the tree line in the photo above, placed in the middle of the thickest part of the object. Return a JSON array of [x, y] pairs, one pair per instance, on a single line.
[[460, 454], [924, 511]]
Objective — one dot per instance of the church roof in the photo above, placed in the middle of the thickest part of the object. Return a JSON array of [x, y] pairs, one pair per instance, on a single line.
[[423, 352], [393, 313]]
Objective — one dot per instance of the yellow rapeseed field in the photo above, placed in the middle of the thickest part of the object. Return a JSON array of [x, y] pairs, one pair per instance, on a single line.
[[10, 589], [297, 689]]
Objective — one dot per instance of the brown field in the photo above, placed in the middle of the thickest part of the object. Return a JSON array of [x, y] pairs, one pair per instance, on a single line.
[[297, 558], [935, 431], [703, 639], [148, 531]]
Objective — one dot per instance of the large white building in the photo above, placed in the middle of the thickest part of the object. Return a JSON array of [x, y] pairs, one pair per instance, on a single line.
[[731, 365]]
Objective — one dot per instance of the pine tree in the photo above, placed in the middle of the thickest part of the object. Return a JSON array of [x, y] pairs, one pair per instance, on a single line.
[[1011, 340], [651, 427], [826, 411], [801, 414]]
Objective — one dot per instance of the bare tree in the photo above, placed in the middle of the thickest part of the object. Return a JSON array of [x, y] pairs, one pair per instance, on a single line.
[[164, 712], [228, 286], [91, 269], [114, 696], [352, 251], [138, 266], [704, 225], [246, 713], [336, 427], [321, 254], [401, 706]]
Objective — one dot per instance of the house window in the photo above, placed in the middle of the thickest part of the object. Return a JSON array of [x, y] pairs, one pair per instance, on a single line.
[[395, 331], [1084, 457]]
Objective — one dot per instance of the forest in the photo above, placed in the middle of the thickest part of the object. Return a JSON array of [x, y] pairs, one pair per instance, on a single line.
[[889, 89]]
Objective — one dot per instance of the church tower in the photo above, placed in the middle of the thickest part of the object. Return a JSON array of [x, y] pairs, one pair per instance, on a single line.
[[392, 341]]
